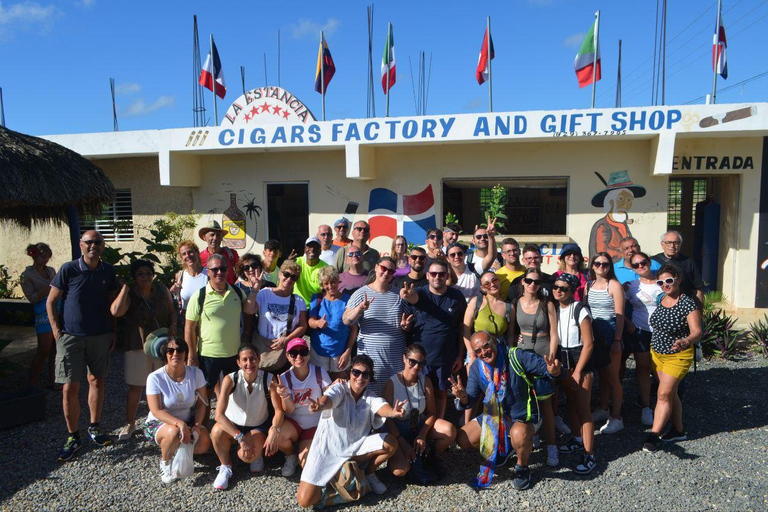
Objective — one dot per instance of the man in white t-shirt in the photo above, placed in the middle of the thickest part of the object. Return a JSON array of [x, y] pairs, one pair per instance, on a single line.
[[327, 249]]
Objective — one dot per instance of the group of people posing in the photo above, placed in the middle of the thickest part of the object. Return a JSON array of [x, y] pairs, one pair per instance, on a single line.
[[342, 354]]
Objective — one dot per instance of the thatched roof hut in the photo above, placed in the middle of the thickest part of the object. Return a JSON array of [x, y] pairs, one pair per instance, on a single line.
[[43, 181]]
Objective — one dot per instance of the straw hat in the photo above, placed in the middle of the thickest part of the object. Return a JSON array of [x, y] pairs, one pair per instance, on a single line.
[[212, 226]]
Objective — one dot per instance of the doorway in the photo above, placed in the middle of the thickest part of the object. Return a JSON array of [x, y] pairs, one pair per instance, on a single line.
[[288, 215]]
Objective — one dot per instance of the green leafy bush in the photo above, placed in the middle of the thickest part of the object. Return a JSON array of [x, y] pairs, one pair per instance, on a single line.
[[719, 338], [758, 336], [497, 205]]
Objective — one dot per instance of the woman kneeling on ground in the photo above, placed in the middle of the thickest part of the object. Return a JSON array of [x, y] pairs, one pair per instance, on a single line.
[[420, 423], [343, 433], [175, 396], [297, 388], [242, 416]]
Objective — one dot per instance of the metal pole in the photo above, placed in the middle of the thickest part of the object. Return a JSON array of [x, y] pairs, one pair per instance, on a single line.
[[664, 56], [389, 33], [490, 76], [322, 70], [2, 109], [114, 108], [370, 62], [278, 61], [716, 47], [242, 77], [594, 61], [266, 78], [618, 80], [213, 72]]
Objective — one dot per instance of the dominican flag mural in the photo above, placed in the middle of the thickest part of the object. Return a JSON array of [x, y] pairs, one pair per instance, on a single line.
[[392, 214]]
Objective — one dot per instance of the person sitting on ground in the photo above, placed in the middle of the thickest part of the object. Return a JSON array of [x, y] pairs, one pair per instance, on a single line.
[[349, 413], [341, 229], [176, 398], [242, 417], [327, 249], [332, 340], [297, 388], [571, 261], [503, 377], [466, 280], [421, 422], [418, 273], [399, 253]]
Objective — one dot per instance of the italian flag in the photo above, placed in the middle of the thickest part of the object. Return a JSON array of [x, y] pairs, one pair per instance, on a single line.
[[388, 62], [585, 60]]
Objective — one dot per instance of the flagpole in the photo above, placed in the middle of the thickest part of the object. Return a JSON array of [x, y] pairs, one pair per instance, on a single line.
[[618, 80], [490, 76], [716, 49], [389, 32], [213, 73], [594, 62], [322, 70]]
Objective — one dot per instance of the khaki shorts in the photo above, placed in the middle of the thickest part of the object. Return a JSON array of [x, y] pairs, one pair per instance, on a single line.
[[138, 366], [76, 353], [329, 364]]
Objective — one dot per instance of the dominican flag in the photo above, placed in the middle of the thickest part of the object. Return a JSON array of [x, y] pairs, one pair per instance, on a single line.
[[585, 59], [719, 45], [388, 62], [483, 62], [210, 68], [325, 67], [393, 214]]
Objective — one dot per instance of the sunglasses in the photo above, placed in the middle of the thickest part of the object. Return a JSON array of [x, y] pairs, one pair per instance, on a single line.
[[388, 270], [528, 280], [303, 352], [564, 289], [288, 275], [435, 275], [639, 264], [670, 281], [481, 237], [413, 363], [435, 237], [416, 257], [601, 264], [171, 350], [92, 242], [366, 230], [354, 254], [252, 266], [216, 270], [493, 281], [456, 255], [480, 350], [360, 373]]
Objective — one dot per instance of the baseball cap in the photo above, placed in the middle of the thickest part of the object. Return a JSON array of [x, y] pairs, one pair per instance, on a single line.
[[296, 342]]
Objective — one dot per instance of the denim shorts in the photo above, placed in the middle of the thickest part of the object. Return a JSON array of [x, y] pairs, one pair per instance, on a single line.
[[638, 341], [604, 332]]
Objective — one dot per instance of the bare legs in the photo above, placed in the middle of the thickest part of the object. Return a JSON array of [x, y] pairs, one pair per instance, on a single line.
[[45, 347]]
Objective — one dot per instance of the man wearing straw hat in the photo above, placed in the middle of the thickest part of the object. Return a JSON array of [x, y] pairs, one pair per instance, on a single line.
[[212, 234], [616, 199]]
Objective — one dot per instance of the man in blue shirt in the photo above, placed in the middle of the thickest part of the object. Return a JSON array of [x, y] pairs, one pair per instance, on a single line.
[[624, 272], [85, 335]]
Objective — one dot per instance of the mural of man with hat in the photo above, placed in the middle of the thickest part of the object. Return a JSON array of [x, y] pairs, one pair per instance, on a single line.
[[616, 199], [212, 235]]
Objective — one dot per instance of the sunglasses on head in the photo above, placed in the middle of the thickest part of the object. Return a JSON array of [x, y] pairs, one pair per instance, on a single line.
[[418, 257], [670, 281], [481, 237], [528, 280], [601, 264], [360, 373], [354, 254], [413, 363], [435, 275], [216, 270], [639, 264], [252, 266], [388, 270], [480, 350], [288, 275], [303, 352], [564, 289], [455, 254]]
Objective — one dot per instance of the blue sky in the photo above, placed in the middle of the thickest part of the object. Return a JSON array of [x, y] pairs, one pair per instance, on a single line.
[[57, 56]]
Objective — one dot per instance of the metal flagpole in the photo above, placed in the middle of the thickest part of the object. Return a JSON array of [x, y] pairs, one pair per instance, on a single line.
[[213, 72], [664, 56], [322, 70], [618, 80], [115, 127], [389, 33], [2, 109], [266, 78], [242, 77], [716, 46], [278, 58], [490, 76], [594, 62]]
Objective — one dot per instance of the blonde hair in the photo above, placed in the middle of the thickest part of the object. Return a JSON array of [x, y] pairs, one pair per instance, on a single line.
[[290, 266], [393, 253], [327, 274], [187, 243]]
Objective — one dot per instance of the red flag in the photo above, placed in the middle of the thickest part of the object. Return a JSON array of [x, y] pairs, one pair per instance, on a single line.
[[206, 76], [483, 62]]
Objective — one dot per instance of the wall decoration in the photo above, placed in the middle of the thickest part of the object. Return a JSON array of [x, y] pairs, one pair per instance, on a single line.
[[233, 222], [240, 221], [351, 206], [728, 117], [393, 213], [616, 200]]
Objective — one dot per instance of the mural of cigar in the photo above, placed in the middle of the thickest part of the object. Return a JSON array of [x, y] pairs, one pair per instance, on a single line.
[[733, 115]]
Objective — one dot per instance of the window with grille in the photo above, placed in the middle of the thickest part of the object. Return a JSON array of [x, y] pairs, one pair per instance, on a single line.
[[674, 202], [699, 194], [116, 220]]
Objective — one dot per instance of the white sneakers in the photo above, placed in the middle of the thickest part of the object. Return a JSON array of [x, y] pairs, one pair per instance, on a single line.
[[289, 468], [165, 472], [376, 485], [553, 456], [127, 431], [600, 415], [222, 479], [561, 426], [257, 465], [612, 426], [646, 417]]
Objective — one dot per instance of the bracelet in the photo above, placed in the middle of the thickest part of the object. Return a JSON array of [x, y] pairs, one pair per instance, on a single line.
[[239, 437]]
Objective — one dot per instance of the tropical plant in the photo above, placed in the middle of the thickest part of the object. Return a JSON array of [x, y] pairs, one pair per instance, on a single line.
[[758, 335], [497, 205], [719, 338], [450, 218]]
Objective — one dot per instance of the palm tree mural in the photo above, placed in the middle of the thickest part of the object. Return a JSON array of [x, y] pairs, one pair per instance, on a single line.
[[253, 211]]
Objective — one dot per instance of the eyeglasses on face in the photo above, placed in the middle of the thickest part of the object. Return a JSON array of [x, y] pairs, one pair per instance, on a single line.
[[671, 243], [601, 264], [216, 270], [490, 282], [92, 242], [288, 275], [251, 266], [435, 275], [558, 288], [418, 257], [363, 229], [481, 237], [435, 237], [388, 270], [413, 363], [361, 373], [458, 254], [171, 350], [483, 348], [303, 352], [535, 282], [639, 264], [354, 254], [670, 281]]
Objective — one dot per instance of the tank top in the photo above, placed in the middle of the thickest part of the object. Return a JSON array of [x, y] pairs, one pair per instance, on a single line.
[[247, 409], [525, 322], [190, 285], [413, 396], [601, 304], [488, 320]]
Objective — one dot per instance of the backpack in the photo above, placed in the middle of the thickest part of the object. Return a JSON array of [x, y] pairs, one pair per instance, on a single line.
[[201, 297], [471, 258], [318, 378], [543, 388], [348, 485], [514, 363], [267, 393]]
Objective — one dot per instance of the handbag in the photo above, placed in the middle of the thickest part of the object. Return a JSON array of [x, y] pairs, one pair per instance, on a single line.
[[348, 485], [155, 340]]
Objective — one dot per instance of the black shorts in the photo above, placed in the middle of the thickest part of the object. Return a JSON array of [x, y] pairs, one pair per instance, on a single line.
[[569, 358], [638, 341], [215, 368], [439, 376], [263, 428]]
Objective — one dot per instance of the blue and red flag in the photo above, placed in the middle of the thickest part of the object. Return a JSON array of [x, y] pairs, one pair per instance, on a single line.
[[393, 214], [325, 67]]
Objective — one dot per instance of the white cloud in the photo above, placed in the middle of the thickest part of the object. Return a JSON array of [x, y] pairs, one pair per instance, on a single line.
[[306, 27], [140, 107], [127, 89], [26, 16], [575, 40], [472, 104]]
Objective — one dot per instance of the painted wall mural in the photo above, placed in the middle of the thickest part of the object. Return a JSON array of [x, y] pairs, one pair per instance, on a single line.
[[616, 200], [235, 221], [392, 213]]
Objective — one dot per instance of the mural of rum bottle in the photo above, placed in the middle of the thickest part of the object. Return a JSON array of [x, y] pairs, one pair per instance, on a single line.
[[234, 224]]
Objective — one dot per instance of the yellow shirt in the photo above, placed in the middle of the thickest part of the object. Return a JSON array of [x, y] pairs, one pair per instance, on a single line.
[[219, 321], [506, 277]]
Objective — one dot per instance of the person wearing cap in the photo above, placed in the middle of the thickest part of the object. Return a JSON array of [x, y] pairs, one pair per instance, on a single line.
[[341, 228], [572, 262], [361, 232], [327, 249], [308, 283], [212, 235], [451, 234], [512, 269], [623, 269]]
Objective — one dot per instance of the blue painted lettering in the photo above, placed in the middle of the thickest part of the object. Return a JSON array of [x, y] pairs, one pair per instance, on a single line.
[[673, 116], [279, 135], [336, 131], [352, 132], [481, 127], [369, 133], [428, 128], [257, 136], [575, 122], [392, 128], [410, 129], [636, 123], [446, 125], [656, 120], [593, 123], [521, 124], [314, 133], [548, 124], [620, 123], [502, 125], [240, 136], [297, 132], [226, 137]]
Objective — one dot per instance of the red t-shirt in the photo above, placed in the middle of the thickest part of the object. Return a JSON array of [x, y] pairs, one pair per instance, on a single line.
[[229, 255]]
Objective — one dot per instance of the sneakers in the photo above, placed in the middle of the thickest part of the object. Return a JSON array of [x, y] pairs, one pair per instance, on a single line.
[[673, 435], [651, 444], [553, 456], [612, 426], [165, 472], [376, 485], [257, 465], [71, 447], [587, 465], [289, 468], [646, 417], [536, 442], [222, 479], [98, 437], [600, 415], [561, 426], [572, 446], [127, 431], [522, 479]]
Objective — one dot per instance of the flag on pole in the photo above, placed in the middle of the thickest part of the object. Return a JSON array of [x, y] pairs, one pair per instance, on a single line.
[[325, 67], [585, 59], [719, 46], [206, 76], [388, 62], [483, 62]]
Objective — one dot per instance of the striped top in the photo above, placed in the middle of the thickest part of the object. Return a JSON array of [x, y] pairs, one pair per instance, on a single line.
[[601, 304], [380, 336]]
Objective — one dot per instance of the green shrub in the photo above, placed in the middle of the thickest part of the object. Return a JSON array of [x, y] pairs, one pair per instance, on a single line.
[[758, 336]]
